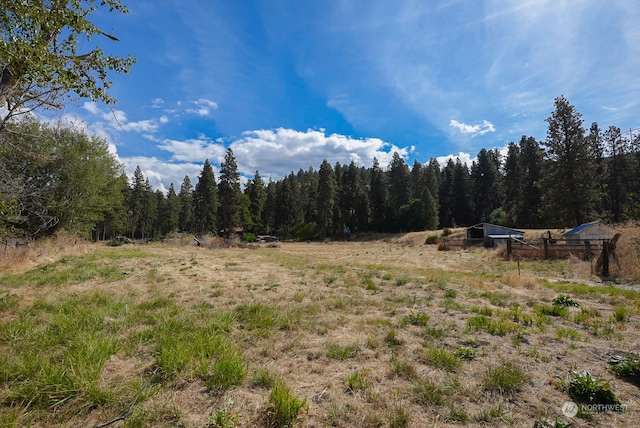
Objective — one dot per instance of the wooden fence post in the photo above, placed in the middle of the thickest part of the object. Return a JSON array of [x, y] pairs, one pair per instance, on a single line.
[[605, 258], [546, 248]]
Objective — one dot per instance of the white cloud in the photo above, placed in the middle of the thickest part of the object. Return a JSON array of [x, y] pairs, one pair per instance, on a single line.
[[162, 173], [193, 150], [464, 158], [275, 153], [474, 130], [117, 120], [157, 103], [203, 108]]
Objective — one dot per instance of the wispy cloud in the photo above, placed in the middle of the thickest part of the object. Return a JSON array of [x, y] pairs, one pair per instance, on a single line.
[[203, 107], [117, 120], [193, 150], [473, 130]]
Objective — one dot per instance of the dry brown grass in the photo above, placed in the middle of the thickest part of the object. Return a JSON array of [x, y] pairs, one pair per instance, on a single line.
[[369, 296]]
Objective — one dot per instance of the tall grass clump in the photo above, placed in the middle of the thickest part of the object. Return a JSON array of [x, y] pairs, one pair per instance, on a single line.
[[504, 378], [283, 408]]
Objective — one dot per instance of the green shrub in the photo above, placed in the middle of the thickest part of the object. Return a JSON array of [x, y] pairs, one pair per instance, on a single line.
[[584, 388], [248, 237], [563, 300], [628, 368]]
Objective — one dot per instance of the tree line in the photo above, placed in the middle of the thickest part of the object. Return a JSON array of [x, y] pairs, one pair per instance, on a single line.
[[54, 178]]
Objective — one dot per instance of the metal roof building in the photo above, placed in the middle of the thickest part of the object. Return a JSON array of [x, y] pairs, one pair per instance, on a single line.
[[592, 231], [492, 235]]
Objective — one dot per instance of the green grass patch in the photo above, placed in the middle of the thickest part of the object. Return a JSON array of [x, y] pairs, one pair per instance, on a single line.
[[494, 327], [342, 352], [440, 358], [283, 408], [67, 271], [428, 393], [504, 378]]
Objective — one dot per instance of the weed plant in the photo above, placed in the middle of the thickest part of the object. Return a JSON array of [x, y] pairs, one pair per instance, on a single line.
[[628, 369], [584, 388]]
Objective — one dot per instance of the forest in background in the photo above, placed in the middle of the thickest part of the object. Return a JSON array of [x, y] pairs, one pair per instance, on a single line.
[[59, 178]]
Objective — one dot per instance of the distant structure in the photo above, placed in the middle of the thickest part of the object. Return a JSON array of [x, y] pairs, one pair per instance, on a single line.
[[492, 235], [594, 232]]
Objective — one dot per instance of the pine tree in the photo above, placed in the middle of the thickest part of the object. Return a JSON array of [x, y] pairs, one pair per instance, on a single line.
[[136, 202], [185, 218], [326, 197], [569, 183], [530, 165], [171, 215], [206, 201], [378, 196], [257, 193], [229, 193], [485, 176], [446, 195], [618, 177]]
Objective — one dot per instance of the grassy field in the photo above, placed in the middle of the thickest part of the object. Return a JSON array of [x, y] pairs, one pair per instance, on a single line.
[[384, 333]]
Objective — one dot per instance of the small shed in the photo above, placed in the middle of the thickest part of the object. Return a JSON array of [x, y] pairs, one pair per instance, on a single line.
[[492, 235], [588, 232]]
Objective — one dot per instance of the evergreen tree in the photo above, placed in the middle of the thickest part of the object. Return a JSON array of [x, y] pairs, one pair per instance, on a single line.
[[326, 197], [337, 220], [597, 150], [485, 176], [461, 194], [530, 164], [362, 205], [569, 183], [399, 182], [149, 212], [378, 196], [417, 180], [136, 202], [618, 177], [206, 201], [308, 190], [430, 207], [186, 219], [257, 194], [171, 214], [287, 207], [432, 175], [229, 193], [512, 184], [447, 196], [270, 207]]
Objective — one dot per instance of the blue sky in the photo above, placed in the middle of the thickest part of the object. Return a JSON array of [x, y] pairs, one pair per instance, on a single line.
[[286, 84]]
